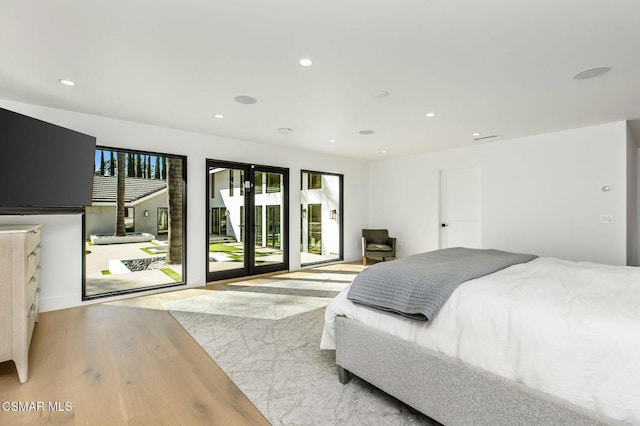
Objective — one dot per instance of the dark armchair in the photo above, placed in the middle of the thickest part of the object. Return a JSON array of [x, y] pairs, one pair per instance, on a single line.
[[377, 244]]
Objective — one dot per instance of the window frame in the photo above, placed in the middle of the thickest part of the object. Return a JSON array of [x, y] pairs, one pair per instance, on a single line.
[[86, 217]]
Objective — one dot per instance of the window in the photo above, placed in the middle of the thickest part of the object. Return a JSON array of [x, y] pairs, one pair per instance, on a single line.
[[258, 182], [258, 219], [314, 181], [130, 219], [163, 220], [273, 182], [219, 220], [273, 226], [242, 227], [314, 216], [129, 253]]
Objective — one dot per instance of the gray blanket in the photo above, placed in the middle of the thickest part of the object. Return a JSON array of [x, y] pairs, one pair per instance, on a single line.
[[417, 286]]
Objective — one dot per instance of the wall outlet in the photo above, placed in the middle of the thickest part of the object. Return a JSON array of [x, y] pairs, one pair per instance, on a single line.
[[606, 219]]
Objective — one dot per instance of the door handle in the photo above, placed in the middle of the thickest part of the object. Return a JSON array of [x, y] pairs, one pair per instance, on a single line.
[[444, 225]]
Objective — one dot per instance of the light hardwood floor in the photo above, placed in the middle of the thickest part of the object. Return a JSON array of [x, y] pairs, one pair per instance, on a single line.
[[120, 365], [131, 363]]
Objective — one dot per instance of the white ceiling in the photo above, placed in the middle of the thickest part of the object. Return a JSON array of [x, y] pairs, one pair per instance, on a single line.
[[500, 67]]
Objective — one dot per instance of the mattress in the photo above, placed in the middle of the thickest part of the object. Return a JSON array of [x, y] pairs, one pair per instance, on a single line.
[[570, 329]]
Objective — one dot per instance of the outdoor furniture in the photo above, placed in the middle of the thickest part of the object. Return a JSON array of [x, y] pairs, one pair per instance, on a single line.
[[377, 244]]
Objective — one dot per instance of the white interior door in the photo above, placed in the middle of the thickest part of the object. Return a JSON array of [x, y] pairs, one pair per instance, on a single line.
[[460, 208]]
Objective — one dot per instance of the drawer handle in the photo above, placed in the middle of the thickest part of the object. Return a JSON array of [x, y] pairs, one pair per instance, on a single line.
[[33, 231], [33, 279], [37, 290], [33, 307]]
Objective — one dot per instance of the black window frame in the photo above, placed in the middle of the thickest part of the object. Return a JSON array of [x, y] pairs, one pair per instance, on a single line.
[[165, 156]]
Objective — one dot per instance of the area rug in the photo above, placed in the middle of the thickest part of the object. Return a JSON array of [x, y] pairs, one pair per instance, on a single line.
[[278, 365], [248, 305]]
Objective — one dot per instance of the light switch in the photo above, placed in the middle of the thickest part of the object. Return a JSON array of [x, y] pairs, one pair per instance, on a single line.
[[606, 219]]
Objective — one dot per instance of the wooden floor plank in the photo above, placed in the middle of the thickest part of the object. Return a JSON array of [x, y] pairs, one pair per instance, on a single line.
[[121, 365]]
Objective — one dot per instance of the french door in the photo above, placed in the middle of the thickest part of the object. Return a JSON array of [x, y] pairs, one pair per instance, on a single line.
[[321, 224], [247, 211]]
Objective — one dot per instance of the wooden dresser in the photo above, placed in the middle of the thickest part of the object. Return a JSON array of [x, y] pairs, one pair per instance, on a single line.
[[19, 292]]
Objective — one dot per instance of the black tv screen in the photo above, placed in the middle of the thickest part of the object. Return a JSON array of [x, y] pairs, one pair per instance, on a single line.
[[43, 167]]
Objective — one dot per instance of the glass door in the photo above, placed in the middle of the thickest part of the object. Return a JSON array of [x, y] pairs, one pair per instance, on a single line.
[[247, 211], [321, 225], [273, 227], [225, 245], [270, 249]]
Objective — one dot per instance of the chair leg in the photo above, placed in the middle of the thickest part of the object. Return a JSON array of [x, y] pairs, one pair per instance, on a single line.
[[364, 261]]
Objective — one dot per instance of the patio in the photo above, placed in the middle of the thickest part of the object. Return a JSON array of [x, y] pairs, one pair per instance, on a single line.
[[106, 272]]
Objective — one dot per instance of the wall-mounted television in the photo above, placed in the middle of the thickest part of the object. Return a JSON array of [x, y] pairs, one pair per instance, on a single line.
[[44, 168]]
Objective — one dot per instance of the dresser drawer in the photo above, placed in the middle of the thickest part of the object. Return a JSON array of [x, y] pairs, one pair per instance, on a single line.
[[33, 287], [33, 239], [33, 316], [33, 262]]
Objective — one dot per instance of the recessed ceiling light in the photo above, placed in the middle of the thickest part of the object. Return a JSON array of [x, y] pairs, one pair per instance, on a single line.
[[475, 135], [218, 116], [247, 100], [285, 130], [382, 94], [67, 82], [366, 132], [305, 62], [332, 140], [384, 151], [591, 73], [430, 114]]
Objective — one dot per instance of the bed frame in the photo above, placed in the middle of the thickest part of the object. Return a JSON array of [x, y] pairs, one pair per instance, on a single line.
[[444, 388]]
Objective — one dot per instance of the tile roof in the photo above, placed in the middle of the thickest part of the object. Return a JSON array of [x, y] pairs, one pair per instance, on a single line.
[[105, 188]]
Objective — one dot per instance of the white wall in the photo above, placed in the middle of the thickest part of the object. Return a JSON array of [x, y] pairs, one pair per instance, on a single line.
[[632, 200], [61, 235], [540, 194]]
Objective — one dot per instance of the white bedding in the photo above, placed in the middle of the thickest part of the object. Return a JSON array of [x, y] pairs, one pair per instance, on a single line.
[[571, 329]]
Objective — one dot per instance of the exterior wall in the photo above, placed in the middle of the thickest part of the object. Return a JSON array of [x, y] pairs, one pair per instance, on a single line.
[[540, 194], [221, 184], [102, 220], [62, 238], [149, 224], [103, 216]]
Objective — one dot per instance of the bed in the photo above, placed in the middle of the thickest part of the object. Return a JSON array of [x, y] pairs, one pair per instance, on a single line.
[[543, 341]]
